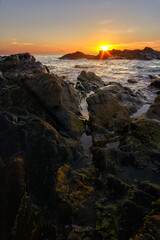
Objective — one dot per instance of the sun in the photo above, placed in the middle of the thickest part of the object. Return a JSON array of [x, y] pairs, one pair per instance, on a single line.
[[104, 48]]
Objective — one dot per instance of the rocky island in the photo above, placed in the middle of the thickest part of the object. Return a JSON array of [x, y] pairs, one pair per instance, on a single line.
[[50, 186], [145, 54]]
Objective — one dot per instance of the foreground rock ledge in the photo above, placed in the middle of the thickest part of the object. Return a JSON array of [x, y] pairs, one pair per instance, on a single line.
[[42, 196]]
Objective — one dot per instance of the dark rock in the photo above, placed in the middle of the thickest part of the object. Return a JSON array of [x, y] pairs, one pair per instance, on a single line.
[[131, 219], [57, 97], [152, 77], [11, 61], [115, 188], [154, 110], [155, 83], [132, 81], [143, 131], [79, 66], [150, 230], [89, 81], [125, 96], [110, 159], [150, 188], [141, 198], [145, 54], [77, 55], [105, 110], [29, 153]]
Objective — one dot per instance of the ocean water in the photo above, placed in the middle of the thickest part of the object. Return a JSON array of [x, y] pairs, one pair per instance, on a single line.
[[109, 70]]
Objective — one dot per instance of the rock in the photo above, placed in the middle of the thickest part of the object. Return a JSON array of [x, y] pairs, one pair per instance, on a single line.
[[125, 96], [11, 61], [29, 153], [57, 97], [145, 54], [150, 230], [155, 83], [79, 66], [150, 188], [129, 224], [143, 131], [152, 77], [141, 198], [49, 188], [154, 110], [77, 55], [110, 159], [142, 141], [89, 81], [132, 81], [115, 188], [105, 110]]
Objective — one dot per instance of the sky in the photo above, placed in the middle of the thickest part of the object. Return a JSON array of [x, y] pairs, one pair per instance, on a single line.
[[62, 26]]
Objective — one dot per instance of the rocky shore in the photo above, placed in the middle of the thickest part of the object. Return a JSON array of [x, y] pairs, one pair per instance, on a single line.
[[53, 185], [145, 54]]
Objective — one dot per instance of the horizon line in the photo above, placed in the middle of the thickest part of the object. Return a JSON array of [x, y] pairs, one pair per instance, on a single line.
[[8, 52]]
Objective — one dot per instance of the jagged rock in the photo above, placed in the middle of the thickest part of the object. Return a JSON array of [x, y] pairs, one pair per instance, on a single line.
[[57, 97], [151, 229], [141, 198], [154, 110], [143, 132], [11, 61], [43, 194], [115, 188], [141, 139], [89, 81], [110, 159], [125, 96], [29, 153], [130, 222], [105, 110], [150, 188]]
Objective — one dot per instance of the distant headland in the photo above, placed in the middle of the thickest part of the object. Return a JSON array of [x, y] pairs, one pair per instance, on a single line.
[[146, 54]]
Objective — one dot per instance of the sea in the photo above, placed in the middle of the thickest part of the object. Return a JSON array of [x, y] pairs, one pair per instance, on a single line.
[[109, 71]]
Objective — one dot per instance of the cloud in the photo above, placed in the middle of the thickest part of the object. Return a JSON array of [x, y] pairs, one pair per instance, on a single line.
[[27, 44], [104, 22], [131, 30], [15, 42]]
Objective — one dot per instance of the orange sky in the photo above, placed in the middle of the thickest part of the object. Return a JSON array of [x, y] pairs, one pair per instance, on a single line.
[[39, 26]]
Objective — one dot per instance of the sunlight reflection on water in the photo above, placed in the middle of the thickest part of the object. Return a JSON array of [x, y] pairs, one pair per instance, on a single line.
[[109, 70]]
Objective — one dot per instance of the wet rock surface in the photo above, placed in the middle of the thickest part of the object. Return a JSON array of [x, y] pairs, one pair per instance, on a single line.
[[51, 185], [89, 81]]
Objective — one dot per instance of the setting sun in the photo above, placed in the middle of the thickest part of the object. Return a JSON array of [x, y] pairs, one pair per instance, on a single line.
[[104, 48]]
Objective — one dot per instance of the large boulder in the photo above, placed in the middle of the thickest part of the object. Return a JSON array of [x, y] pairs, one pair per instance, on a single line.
[[12, 61], [104, 109], [125, 96], [29, 153], [154, 110], [144, 132], [54, 95], [89, 81]]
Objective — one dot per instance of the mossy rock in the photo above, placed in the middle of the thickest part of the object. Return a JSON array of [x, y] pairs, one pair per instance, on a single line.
[[115, 188], [105, 110]]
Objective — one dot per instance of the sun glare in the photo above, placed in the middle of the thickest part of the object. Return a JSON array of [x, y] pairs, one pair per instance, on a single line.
[[104, 48]]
